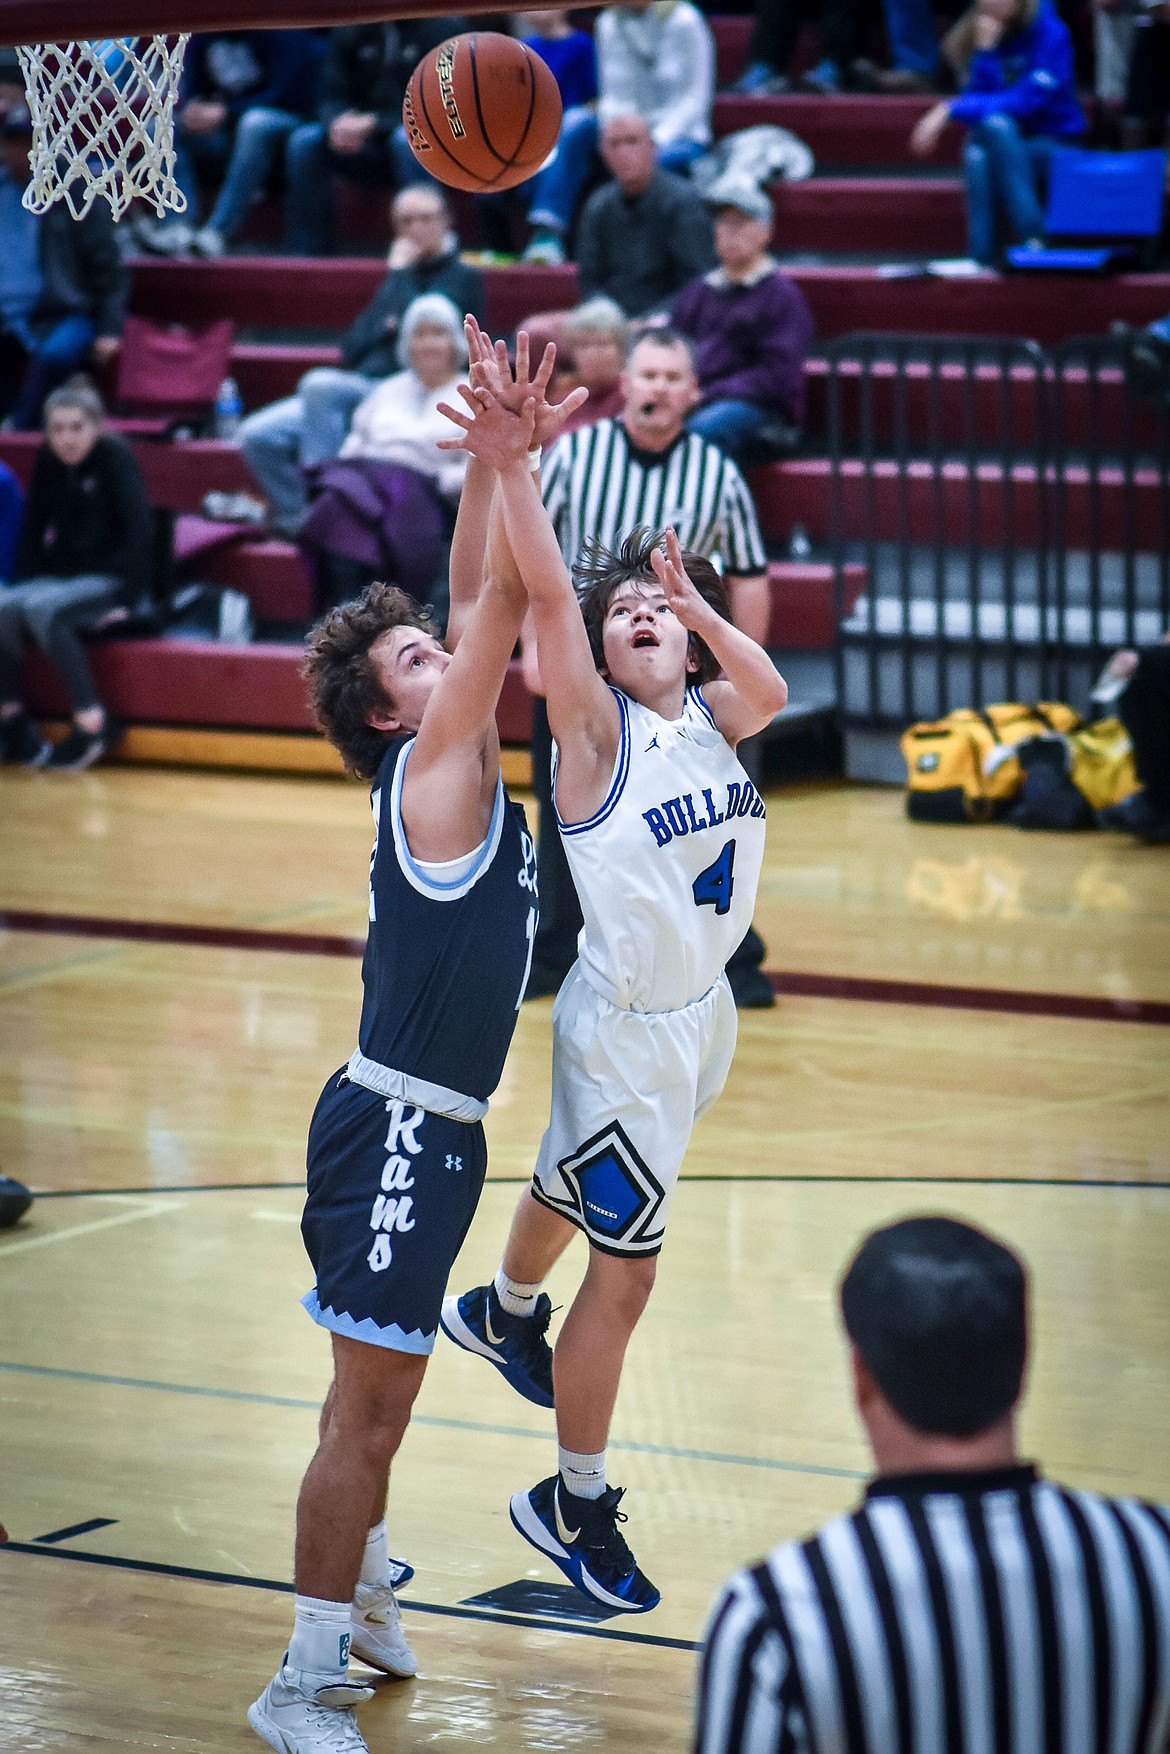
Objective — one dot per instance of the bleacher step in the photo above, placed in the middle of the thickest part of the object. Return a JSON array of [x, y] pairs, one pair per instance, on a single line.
[[277, 292]]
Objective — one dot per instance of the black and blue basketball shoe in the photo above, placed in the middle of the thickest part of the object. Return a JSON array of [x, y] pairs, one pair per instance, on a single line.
[[581, 1535], [516, 1345]]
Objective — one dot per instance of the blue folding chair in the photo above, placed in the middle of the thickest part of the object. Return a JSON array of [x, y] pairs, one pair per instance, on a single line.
[[1106, 204]]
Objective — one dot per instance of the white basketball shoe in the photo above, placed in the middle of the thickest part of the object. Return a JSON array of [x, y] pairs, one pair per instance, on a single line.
[[376, 1631], [295, 1718]]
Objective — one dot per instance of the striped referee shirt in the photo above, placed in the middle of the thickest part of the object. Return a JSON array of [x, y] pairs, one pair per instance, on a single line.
[[991, 1613], [599, 486]]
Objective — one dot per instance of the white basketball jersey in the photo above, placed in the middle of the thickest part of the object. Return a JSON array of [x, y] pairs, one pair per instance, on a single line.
[[667, 869]]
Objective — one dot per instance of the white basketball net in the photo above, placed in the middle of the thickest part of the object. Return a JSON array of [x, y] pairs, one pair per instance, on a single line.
[[103, 123]]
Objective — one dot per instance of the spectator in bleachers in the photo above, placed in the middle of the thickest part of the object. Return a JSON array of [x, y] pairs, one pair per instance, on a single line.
[[774, 35], [1113, 34], [243, 94], [655, 59], [568, 53], [358, 133], [913, 46], [63, 287], [570, 56], [85, 549], [646, 233], [1014, 61], [1147, 93], [595, 342], [11, 521], [383, 509], [303, 431], [750, 326]]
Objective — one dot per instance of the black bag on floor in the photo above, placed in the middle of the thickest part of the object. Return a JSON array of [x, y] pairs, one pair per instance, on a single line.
[[1048, 798]]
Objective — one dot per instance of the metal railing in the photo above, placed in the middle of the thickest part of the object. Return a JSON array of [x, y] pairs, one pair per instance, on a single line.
[[1011, 506]]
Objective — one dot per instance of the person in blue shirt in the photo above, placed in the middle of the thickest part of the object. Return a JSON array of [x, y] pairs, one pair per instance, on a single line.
[[63, 285], [570, 57], [1018, 98]]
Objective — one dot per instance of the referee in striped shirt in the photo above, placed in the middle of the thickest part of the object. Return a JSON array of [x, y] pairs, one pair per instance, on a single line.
[[599, 483], [969, 1606]]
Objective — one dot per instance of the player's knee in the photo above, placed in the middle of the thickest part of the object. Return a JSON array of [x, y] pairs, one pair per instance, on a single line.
[[370, 1409], [631, 1281]]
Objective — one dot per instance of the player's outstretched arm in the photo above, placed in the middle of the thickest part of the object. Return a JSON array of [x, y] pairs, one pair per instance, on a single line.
[[469, 547], [488, 367], [751, 690], [582, 712]]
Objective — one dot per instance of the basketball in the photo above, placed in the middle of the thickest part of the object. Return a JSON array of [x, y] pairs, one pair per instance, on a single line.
[[482, 112], [15, 1201]]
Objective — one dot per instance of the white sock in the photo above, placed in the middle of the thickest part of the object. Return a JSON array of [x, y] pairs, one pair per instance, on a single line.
[[320, 1640], [516, 1298], [584, 1475], [376, 1558]]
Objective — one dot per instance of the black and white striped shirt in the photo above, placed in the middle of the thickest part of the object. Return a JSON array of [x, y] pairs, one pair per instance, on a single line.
[[599, 486], [970, 1614]]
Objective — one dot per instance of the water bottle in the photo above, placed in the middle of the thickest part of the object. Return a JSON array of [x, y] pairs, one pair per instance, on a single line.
[[799, 546], [229, 410]]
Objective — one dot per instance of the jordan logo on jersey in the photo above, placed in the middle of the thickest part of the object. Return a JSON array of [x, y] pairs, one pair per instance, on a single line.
[[675, 817]]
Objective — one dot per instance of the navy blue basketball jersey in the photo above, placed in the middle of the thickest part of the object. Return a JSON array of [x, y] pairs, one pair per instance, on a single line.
[[446, 959]]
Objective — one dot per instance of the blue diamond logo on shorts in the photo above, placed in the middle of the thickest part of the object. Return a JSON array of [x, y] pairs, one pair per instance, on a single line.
[[617, 1193]]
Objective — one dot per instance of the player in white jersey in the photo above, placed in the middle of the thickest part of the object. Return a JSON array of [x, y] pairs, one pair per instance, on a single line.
[[650, 687]]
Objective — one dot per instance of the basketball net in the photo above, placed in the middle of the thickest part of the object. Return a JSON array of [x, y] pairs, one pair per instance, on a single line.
[[103, 123]]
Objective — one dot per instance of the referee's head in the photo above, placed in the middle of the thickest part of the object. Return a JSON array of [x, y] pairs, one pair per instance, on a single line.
[[937, 1312]]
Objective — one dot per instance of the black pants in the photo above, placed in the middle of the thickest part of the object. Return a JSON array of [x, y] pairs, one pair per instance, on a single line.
[[778, 24], [560, 912], [1144, 710], [46, 612]]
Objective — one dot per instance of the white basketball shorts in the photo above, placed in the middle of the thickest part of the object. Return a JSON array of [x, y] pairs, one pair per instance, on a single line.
[[627, 1088]]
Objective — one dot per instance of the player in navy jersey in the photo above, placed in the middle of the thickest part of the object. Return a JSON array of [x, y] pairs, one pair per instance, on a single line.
[[396, 1154], [650, 687]]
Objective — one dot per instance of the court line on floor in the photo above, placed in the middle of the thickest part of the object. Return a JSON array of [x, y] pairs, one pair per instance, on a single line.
[[154, 1210], [908, 1181], [204, 1392], [194, 1574], [789, 982]]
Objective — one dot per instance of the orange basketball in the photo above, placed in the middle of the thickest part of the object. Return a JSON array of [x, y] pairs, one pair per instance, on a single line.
[[482, 112]]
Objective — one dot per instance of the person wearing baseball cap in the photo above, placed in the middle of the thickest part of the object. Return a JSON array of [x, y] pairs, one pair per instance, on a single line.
[[750, 327]]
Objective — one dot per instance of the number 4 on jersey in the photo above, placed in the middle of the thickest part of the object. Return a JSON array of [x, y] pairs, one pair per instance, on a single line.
[[713, 887]]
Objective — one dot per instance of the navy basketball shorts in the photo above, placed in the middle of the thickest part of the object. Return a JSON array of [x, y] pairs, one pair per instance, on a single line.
[[392, 1190]]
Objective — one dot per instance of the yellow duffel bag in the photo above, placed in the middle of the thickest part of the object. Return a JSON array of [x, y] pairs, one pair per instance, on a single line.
[[964, 768]]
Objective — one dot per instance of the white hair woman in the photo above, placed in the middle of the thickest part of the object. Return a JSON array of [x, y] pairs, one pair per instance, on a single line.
[[385, 505]]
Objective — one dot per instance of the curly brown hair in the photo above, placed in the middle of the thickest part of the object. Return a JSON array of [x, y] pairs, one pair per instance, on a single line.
[[344, 685], [599, 574]]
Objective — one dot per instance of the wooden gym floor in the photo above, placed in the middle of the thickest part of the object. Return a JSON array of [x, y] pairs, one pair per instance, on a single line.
[[975, 1021]]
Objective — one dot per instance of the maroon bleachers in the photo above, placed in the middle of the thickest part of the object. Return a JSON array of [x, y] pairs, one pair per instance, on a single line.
[[274, 577], [201, 683], [856, 130], [266, 372], [786, 493], [325, 296], [868, 198]]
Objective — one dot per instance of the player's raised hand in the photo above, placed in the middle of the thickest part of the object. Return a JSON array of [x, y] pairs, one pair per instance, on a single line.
[[687, 603], [491, 369], [490, 431]]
